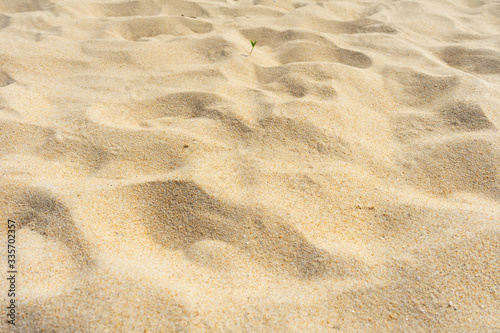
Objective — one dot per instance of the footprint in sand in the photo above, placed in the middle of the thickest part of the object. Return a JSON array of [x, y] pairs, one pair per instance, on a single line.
[[179, 214], [51, 249]]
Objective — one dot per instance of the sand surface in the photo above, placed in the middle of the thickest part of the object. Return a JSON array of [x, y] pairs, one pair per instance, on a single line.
[[345, 176]]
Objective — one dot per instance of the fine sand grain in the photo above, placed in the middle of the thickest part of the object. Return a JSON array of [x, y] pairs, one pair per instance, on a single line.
[[345, 176]]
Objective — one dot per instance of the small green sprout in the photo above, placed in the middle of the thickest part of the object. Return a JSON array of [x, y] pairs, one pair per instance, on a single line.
[[253, 45]]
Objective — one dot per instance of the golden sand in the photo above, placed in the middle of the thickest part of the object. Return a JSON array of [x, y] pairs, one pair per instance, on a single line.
[[345, 176]]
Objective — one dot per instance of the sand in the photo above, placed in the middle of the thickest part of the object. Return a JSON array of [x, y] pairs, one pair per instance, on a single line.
[[345, 176]]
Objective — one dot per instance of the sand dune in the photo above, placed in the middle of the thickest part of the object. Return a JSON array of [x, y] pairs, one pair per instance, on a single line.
[[344, 176]]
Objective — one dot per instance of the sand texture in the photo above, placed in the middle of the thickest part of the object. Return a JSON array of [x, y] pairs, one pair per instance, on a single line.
[[343, 177]]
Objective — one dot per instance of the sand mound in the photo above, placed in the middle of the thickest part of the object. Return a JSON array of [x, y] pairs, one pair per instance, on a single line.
[[344, 176]]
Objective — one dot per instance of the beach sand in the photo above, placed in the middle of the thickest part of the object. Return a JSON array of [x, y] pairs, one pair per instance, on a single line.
[[344, 176]]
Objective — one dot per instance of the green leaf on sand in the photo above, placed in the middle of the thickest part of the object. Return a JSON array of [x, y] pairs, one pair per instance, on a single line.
[[253, 45]]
